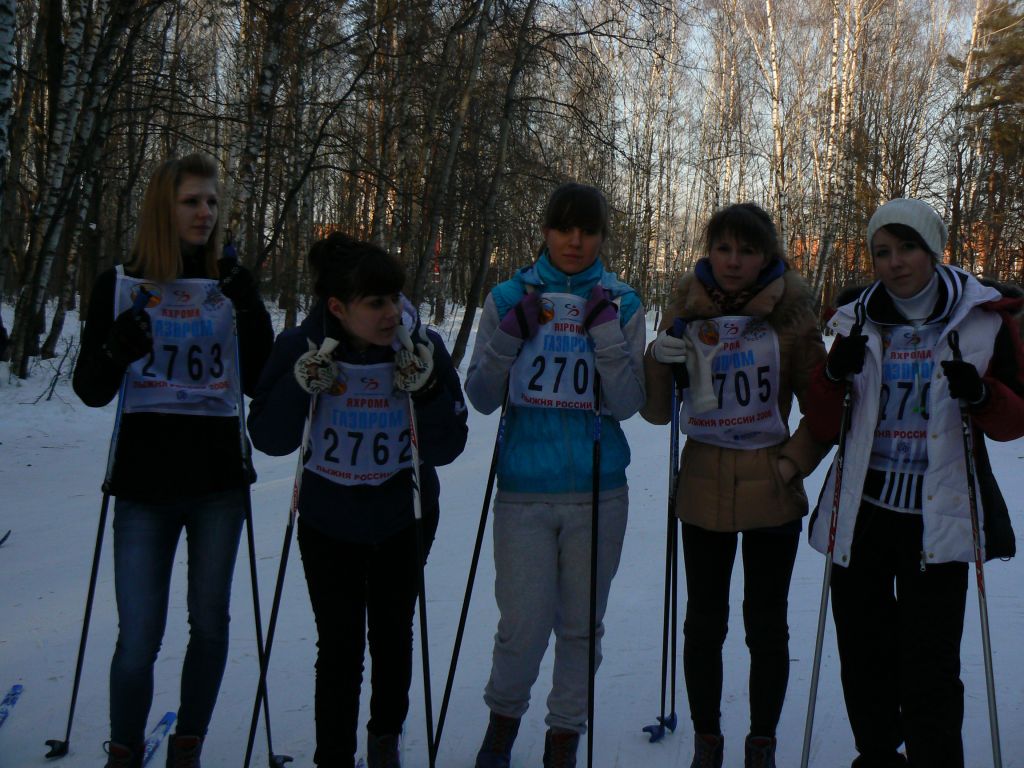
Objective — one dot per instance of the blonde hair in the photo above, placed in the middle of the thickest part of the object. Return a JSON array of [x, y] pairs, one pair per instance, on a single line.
[[156, 254]]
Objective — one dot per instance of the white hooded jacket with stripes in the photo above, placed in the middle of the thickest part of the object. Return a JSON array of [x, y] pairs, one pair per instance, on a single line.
[[945, 511]]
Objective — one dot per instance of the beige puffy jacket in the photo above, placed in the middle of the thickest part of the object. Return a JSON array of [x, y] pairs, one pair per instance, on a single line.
[[724, 489]]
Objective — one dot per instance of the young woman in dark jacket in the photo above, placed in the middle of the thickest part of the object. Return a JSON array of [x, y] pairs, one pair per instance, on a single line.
[[903, 537], [356, 531], [178, 461]]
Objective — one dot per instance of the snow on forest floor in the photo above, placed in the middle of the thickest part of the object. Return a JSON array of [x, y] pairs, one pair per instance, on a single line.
[[52, 457]]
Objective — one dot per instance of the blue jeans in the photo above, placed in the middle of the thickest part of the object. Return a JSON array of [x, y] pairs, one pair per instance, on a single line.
[[145, 539]]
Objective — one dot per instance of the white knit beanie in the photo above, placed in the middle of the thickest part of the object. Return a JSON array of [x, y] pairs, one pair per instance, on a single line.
[[917, 215]]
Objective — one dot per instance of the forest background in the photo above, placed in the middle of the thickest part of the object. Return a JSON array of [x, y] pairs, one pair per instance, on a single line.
[[437, 128]]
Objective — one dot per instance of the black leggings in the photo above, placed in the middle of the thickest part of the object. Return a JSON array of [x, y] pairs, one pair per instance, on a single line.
[[768, 556], [898, 628], [351, 585]]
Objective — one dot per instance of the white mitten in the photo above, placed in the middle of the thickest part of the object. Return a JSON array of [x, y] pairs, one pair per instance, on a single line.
[[315, 370], [414, 361], [702, 384], [671, 350]]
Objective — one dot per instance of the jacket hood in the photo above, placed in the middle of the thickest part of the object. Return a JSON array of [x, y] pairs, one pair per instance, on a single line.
[[956, 287], [544, 275], [784, 302], [315, 326]]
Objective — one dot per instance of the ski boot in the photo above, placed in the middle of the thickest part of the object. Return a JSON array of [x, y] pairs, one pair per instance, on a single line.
[[496, 751], [759, 752], [560, 748], [382, 751], [183, 751], [708, 750], [120, 756]]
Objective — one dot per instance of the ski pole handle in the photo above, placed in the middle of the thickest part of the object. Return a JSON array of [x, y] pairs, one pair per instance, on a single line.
[[859, 318], [680, 375], [954, 345]]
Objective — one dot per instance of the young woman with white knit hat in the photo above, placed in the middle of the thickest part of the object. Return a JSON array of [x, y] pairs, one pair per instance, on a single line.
[[919, 342]]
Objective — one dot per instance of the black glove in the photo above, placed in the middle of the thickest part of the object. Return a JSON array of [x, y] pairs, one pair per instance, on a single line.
[[846, 357], [965, 382], [237, 282], [130, 337]]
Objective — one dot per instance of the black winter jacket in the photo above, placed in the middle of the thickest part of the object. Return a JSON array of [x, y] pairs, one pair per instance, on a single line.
[[365, 514], [163, 456]]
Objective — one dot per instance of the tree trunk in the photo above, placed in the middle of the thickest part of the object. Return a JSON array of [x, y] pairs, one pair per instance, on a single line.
[[474, 297]]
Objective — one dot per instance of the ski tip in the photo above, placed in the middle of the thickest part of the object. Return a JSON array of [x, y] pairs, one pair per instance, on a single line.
[[4, 538], [169, 717]]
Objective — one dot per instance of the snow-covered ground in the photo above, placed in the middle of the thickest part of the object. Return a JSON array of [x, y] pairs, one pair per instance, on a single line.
[[52, 456]]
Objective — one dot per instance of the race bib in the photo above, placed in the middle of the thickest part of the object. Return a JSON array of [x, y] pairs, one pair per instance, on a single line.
[[360, 433], [555, 369], [908, 361], [745, 377], [192, 368]]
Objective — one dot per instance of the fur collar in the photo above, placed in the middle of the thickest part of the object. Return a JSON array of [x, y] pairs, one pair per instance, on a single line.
[[784, 302]]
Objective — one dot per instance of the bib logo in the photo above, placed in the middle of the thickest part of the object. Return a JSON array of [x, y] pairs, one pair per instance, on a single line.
[[152, 289], [340, 385], [182, 296], [214, 298], [547, 311], [732, 329], [755, 330], [370, 384], [911, 337], [571, 310], [708, 333]]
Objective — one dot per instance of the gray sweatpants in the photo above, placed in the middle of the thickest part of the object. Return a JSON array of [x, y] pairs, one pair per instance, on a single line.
[[542, 583]]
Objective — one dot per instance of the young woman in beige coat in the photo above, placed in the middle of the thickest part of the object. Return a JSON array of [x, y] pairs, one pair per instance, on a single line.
[[749, 342]]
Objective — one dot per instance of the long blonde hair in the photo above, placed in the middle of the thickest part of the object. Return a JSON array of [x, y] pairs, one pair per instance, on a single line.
[[156, 254]]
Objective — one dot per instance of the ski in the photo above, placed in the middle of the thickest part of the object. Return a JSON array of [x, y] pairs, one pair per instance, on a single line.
[[9, 700], [4, 538], [157, 735]]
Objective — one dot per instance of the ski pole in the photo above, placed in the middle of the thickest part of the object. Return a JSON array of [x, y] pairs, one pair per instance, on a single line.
[[326, 348], [421, 554], [474, 562], [276, 761], [844, 426], [595, 463], [58, 747], [657, 731], [979, 563]]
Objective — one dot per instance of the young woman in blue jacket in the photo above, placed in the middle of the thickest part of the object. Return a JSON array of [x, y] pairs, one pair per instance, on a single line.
[[356, 532], [546, 337]]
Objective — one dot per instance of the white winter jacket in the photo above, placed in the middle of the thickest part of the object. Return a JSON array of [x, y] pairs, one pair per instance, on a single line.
[[946, 513]]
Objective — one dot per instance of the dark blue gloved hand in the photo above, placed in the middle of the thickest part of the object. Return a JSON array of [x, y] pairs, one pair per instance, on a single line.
[[965, 382], [237, 282], [130, 337], [847, 356]]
